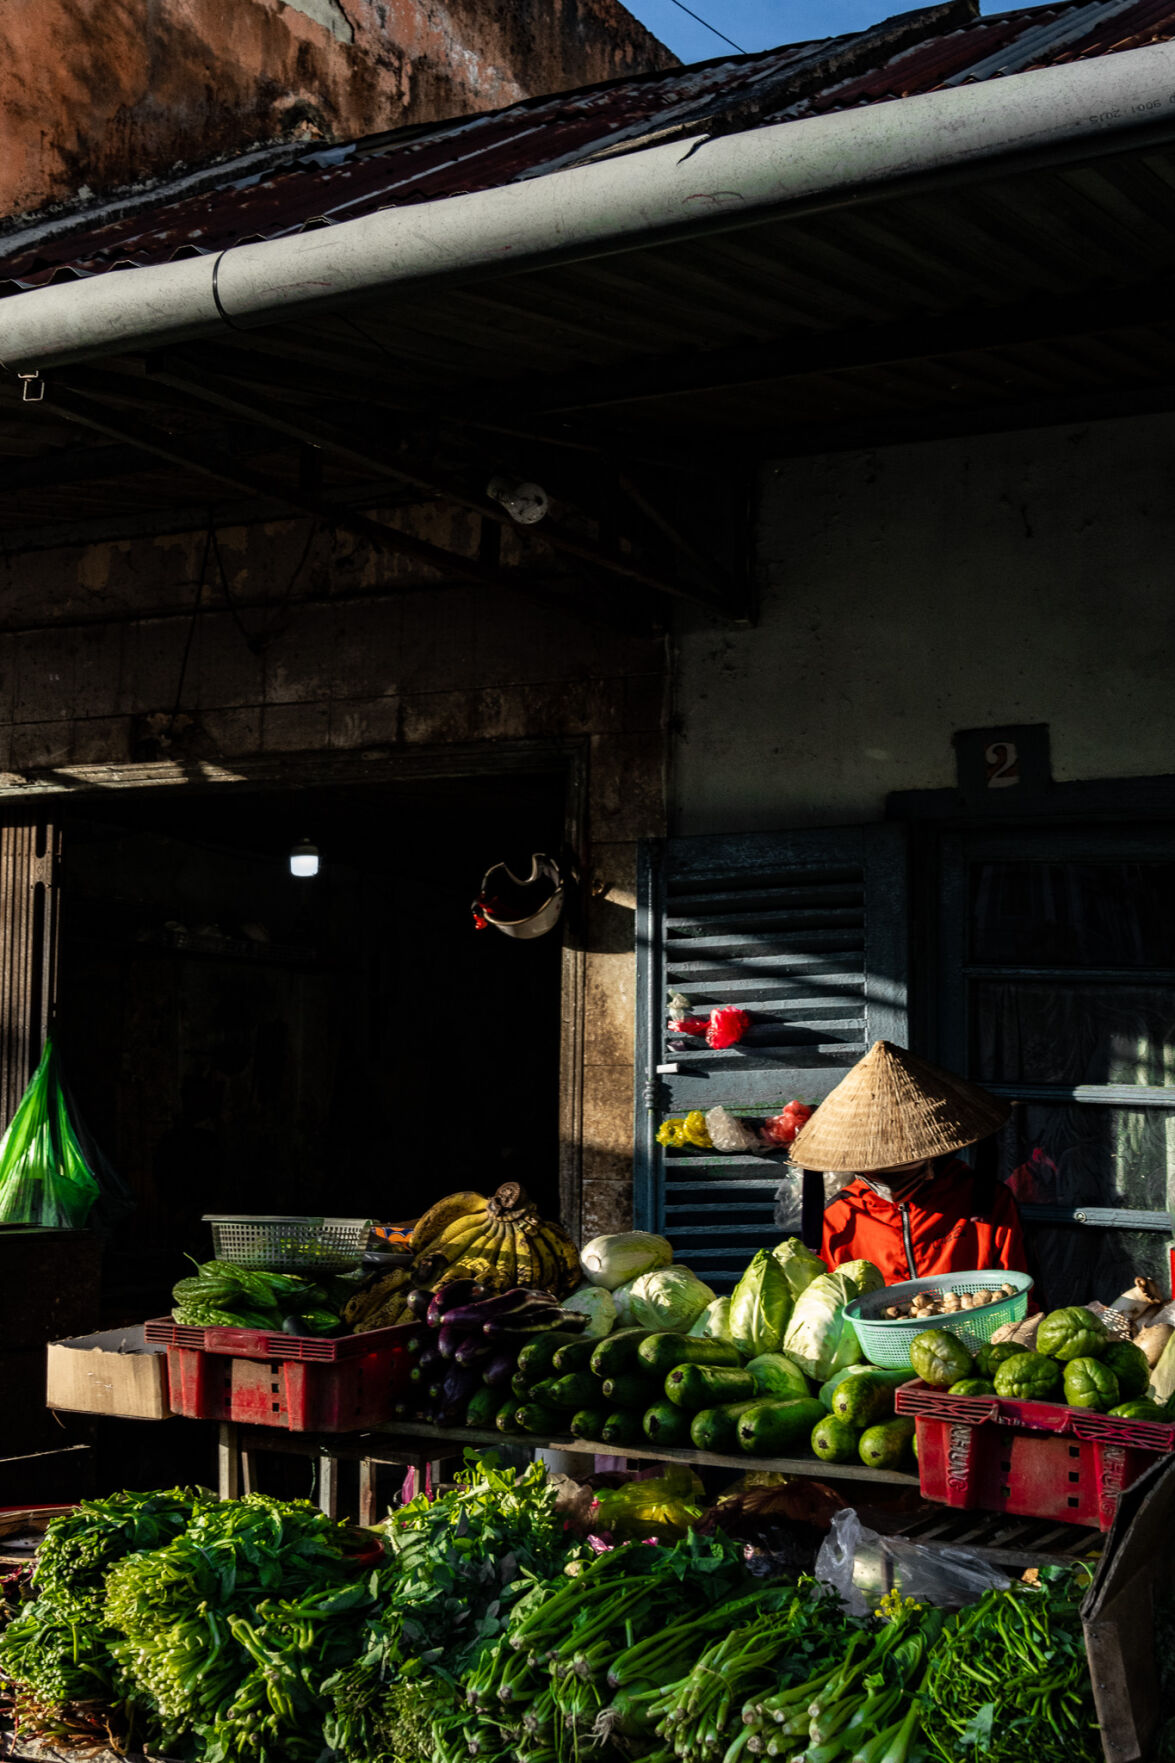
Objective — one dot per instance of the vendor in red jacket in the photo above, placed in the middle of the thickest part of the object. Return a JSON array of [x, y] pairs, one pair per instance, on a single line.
[[909, 1205]]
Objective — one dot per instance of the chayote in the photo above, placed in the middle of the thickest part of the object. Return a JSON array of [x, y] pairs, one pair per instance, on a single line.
[[1130, 1366], [940, 1358], [1090, 1384], [1072, 1333], [993, 1353], [972, 1386], [1142, 1408], [1029, 1377]]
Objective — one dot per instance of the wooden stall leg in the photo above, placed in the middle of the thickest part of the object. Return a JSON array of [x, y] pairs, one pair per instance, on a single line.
[[328, 1483], [228, 1462], [367, 1491], [248, 1469]]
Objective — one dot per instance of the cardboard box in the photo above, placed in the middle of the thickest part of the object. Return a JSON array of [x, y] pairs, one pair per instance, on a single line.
[[118, 1373], [1119, 1615]]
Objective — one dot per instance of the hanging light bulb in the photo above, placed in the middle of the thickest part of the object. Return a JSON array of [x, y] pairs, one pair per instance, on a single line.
[[304, 859]]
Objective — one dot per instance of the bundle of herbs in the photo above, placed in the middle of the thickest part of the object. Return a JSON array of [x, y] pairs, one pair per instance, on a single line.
[[458, 1565]]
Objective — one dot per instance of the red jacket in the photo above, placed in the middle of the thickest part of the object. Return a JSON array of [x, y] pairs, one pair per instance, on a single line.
[[952, 1223]]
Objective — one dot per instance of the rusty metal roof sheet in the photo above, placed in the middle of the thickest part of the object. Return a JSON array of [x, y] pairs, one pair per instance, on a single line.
[[316, 187]]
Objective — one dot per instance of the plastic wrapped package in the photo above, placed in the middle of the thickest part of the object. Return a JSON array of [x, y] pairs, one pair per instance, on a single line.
[[861, 1567], [46, 1177]]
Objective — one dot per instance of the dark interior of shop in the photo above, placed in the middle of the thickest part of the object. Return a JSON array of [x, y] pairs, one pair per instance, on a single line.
[[239, 1039]]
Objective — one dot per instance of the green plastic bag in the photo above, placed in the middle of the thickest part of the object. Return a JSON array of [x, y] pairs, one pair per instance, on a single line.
[[44, 1176]]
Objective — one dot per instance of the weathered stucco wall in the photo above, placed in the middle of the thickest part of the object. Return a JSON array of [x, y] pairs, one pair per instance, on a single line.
[[355, 660], [919, 590], [95, 98]]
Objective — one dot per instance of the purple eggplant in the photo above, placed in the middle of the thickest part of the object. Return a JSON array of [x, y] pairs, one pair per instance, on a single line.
[[417, 1303], [427, 1366], [499, 1304], [451, 1297], [458, 1385], [415, 1339], [471, 1349], [532, 1319], [499, 1368], [449, 1338]]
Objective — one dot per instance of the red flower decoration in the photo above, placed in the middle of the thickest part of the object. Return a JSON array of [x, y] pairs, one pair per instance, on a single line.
[[727, 1026], [690, 1025]]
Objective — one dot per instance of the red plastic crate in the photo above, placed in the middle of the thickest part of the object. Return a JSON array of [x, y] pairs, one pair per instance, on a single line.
[[255, 1343], [1035, 1459], [354, 1392]]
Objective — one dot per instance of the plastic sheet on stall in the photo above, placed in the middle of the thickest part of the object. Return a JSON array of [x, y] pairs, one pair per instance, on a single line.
[[862, 1567], [789, 1200]]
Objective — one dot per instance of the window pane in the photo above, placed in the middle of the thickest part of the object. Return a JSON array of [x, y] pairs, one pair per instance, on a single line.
[[1073, 914], [1074, 1034], [1074, 1263], [1057, 1154]]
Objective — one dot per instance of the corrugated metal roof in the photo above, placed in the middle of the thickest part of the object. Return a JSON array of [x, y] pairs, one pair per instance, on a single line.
[[323, 186]]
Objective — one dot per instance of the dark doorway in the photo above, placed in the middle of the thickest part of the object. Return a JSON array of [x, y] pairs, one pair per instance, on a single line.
[[241, 1040]]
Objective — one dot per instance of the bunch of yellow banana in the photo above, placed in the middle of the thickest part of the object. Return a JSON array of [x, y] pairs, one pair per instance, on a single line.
[[500, 1242]]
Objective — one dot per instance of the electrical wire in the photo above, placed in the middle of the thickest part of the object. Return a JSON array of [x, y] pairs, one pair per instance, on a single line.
[[707, 26]]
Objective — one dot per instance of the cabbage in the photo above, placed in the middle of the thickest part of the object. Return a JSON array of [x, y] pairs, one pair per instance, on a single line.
[[596, 1304], [669, 1299], [714, 1322], [760, 1307], [622, 1300], [819, 1337], [614, 1261], [776, 1376], [864, 1275], [800, 1265]]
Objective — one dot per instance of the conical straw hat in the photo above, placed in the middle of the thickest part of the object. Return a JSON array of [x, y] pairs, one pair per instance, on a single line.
[[894, 1108]]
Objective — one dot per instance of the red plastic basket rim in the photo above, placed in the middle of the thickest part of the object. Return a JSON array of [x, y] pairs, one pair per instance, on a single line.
[[255, 1343], [917, 1398]]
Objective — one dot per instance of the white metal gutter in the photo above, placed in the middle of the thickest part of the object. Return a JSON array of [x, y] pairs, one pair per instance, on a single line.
[[1048, 115]]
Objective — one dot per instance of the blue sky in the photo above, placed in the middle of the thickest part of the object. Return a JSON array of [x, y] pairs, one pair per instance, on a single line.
[[761, 24]]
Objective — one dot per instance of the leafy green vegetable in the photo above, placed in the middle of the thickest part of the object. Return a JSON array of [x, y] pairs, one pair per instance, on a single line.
[[760, 1307], [1008, 1679]]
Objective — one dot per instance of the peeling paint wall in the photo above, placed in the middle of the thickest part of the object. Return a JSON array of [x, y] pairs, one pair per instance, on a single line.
[[99, 98], [919, 590], [407, 667]]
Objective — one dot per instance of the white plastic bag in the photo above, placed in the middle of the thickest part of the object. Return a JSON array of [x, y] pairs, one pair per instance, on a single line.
[[861, 1567]]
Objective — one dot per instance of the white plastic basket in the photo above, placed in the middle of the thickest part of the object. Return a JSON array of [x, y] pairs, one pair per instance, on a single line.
[[886, 1341], [289, 1244]]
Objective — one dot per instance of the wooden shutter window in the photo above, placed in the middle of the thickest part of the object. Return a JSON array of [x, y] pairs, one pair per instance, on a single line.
[[807, 932]]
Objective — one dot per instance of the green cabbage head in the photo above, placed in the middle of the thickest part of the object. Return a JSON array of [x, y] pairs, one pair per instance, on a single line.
[[820, 1339], [669, 1300], [760, 1307]]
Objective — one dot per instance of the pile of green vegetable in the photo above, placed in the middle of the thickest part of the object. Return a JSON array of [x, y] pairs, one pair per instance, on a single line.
[[1076, 1361], [221, 1294], [243, 1633], [665, 1361]]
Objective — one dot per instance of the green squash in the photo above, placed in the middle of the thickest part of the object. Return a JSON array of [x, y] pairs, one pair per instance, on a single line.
[[940, 1358], [1072, 1333], [994, 1353], [1029, 1377], [1130, 1366], [1090, 1384], [973, 1386]]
